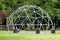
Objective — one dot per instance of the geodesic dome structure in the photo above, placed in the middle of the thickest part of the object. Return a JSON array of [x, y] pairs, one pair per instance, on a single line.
[[30, 15]]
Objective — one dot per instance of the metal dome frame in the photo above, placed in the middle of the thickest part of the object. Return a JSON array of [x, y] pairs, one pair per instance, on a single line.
[[29, 12]]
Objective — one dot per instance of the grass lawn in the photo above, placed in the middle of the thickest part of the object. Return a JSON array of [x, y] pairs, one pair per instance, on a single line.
[[4, 35]]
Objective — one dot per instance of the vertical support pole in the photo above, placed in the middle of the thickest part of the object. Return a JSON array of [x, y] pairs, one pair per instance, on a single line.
[[8, 27], [1, 27], [13, 27], [7, 24], [48, 23], [53, 29]]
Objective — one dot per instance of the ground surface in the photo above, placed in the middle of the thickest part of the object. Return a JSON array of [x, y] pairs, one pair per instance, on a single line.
[[4, 35]]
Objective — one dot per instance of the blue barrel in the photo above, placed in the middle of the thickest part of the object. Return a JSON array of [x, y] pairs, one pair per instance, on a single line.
[[16, 30]]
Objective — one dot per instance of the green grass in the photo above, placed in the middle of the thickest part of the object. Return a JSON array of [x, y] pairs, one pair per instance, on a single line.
[[4, 35]]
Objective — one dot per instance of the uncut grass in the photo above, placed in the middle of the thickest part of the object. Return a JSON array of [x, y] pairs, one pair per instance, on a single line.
[[4, 35]]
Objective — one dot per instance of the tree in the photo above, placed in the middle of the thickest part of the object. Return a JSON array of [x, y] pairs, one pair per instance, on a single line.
[[2, 7]]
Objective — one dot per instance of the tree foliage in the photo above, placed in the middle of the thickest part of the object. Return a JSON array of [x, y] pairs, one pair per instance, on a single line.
[[51, 6]]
